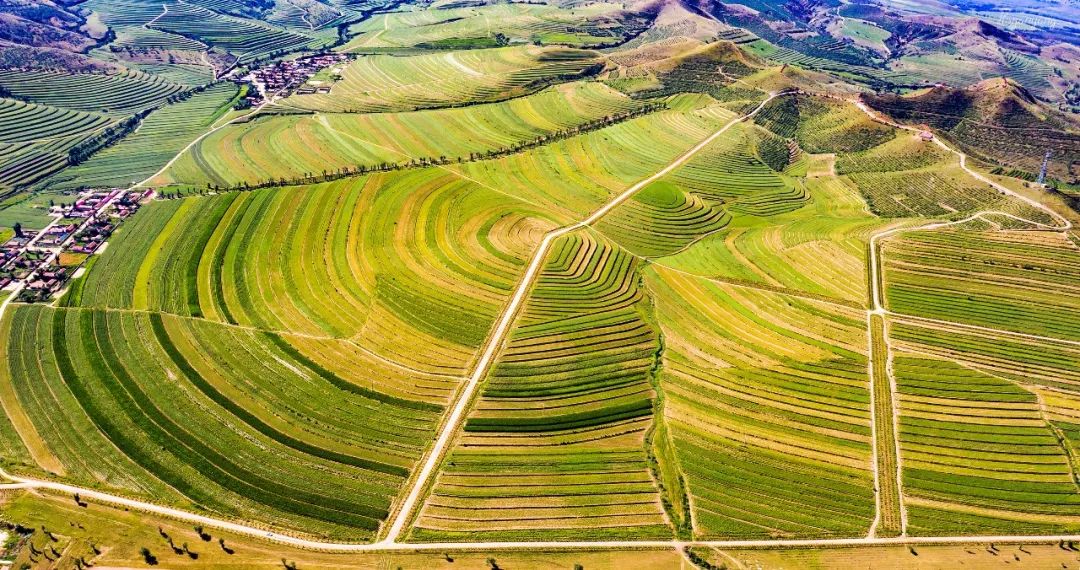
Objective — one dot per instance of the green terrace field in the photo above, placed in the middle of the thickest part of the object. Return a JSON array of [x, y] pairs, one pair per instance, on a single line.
[[383, 83], [577, 174], [247, 39], [385, 261], [1019, 281], [823, 125], [980, 445], [423, 306], [118, 94], [818, 250], [554, 446], [476, 26], [159, 138], [34, 139], [27, 122], [150, 405], [767, 407], [275, 146]]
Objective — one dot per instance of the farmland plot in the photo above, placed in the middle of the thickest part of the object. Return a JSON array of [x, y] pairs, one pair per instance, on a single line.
[[388, 83], [1020, 281], [767, 403], [271, 147], [819, 249], [555, 443], [979, 444], [354, 259], [111, 94], [576, 175], [159, 138], [164, 391]]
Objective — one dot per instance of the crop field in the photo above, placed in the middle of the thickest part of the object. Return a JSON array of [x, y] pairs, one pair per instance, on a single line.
[[1017, 281], [575, 175], [133, 386], [270, 147], [818, 250], [160, 136], [360, 243], [476, 26], [26, 122], [555, 442], [383, 83], [979, 444], [474, 275], [823, 125], [109, 94], [34, 139], [767, 405], [244, 38]]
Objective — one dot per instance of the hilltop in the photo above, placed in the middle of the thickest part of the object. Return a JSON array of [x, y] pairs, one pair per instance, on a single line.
[[997, 119]]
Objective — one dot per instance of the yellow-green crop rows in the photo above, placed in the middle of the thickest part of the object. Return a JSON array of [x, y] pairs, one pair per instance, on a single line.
[[391, 83], [1019, 281], [767, 402], [271, 147], [555, 443]]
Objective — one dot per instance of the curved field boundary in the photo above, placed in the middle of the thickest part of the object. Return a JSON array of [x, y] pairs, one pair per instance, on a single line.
[[498, 336]]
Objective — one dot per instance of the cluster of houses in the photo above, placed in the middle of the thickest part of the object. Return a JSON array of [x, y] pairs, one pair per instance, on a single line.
[[46, 260], [285, 76]]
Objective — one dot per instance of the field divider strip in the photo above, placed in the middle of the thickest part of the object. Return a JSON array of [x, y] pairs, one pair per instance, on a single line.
[[509, 314]]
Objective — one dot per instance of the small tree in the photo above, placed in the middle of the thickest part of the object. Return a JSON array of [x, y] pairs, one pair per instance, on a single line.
[[148, 556]]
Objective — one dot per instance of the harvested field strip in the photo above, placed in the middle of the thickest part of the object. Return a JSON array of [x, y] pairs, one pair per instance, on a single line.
[[143, 380], [1027, 282], [559, 428], [766, 401], [969, 438], [890, 495]]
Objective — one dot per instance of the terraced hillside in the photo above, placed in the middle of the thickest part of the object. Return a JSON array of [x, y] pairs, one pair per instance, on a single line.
[[554, 445], [1014, 281], [389, 83], [979, 450], [159, 138], [474, 27], [361, 243], [767, 409], [35, 139], [271, 147], [158, 396], [489, 286], [115, 94]]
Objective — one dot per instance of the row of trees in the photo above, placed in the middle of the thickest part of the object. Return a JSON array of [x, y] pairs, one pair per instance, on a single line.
[[422, 162]]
